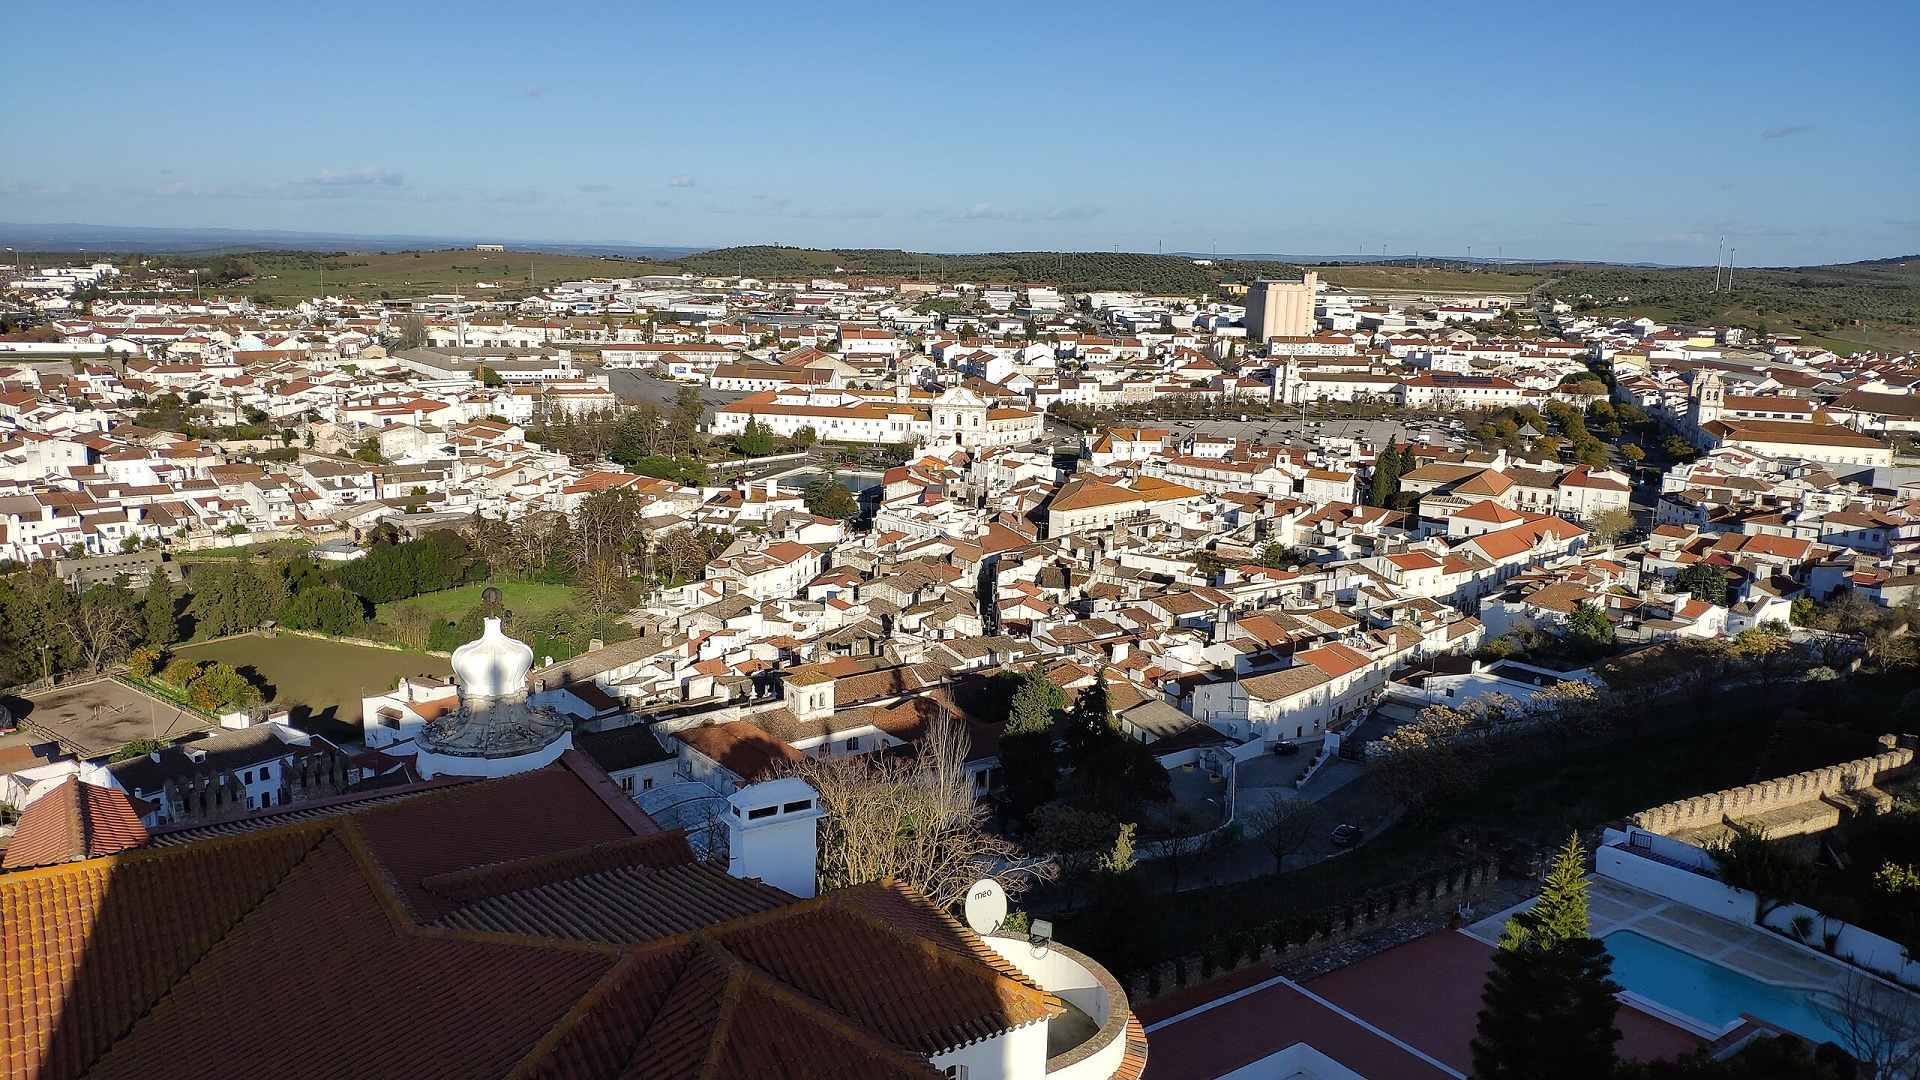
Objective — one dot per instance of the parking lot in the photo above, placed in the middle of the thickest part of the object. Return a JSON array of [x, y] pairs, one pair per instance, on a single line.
[[1280, 431]]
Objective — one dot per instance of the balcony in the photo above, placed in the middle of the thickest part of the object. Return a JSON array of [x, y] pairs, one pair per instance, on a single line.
[[1097, 1038]]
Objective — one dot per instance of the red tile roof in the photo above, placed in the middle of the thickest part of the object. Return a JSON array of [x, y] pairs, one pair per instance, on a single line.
[[72, 822], [298, 951]]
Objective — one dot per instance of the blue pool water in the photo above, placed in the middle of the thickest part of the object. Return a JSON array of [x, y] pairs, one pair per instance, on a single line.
[[1711, 993]]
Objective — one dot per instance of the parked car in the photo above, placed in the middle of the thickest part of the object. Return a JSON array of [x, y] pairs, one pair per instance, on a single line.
[[1285, 749], [1347, 835]]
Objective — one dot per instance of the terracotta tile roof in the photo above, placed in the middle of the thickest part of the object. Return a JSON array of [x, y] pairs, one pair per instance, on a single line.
[[292, 952], [136, 922], [468, 1007], [72, 822], [534, 813], [740, 747]]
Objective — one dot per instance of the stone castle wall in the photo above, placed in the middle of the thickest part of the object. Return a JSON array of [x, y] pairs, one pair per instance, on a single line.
[[1773, 796]]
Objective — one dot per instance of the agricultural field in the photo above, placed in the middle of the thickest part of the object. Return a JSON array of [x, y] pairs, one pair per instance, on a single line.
[[321, 682], [1849, 308]]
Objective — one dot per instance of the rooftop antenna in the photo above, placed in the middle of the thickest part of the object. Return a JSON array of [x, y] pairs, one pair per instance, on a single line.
[[986, 906]]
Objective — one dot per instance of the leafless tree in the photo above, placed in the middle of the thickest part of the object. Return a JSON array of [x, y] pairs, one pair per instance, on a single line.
[[1880, 1026], [411, 625], [101, 628], [602, 587], [913, 819], [1282, 822], [1178, 847], [1608, 526]]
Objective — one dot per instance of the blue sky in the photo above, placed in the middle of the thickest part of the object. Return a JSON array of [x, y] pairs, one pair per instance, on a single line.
[[1621, 132]]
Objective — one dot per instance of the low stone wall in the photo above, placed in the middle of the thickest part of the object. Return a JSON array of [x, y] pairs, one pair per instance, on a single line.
[[1295, 937], [1774, 797]]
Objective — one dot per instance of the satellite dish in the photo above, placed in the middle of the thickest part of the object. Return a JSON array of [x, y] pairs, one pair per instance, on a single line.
[[986, 906]]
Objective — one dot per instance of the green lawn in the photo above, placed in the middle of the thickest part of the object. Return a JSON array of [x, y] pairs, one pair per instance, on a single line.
[[272, 548], [523, 598], [320, 681]]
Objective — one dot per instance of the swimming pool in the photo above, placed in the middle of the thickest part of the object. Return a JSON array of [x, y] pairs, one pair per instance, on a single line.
[[1710, 993]]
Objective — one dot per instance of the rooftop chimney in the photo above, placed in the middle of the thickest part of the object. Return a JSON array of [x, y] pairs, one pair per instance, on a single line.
[[772, 834]]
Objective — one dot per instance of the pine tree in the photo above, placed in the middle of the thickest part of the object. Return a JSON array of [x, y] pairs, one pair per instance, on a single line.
[[1089, 723], [1549, 1003], [157, 611], [1027, 769]]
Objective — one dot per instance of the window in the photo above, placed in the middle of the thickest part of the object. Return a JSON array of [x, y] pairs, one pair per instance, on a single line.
[[759, 812], [626, 784], [264, 774], [249, 777], [646, 784]]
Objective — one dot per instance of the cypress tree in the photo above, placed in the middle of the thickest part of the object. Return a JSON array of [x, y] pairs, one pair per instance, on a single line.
[[157, 612], [1549, 1004], [1089, 723], [1386, 476]]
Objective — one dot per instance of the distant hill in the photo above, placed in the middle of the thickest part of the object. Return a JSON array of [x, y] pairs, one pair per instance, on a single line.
[[1850, 307], [1077, 270], [119, 239]]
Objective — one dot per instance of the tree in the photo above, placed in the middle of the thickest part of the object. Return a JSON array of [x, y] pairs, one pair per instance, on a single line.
[[1549, 1003], [1678, 448], [602, 588], [806, 436], [1704, 581], [413, 333], [1282, 822], [137, 748], [1571, 709], [1588, 630], [914, 819], [1749, 859], [325, 609], [1633, 453], [1387, 467], [1769, 652], [826, 496], [102, 624], [142, 661], [1608, 526], [755, 440], [1123, 776], [161, 627], [1089, 724], [1880, 1026], [1078, 841], [410, 625]]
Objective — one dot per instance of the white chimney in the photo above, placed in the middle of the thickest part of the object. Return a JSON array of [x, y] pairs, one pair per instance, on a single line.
[[772, 834]]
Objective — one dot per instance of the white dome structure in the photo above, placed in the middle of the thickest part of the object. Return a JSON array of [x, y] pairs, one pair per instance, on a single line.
[[492, 665], [494, 731]]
